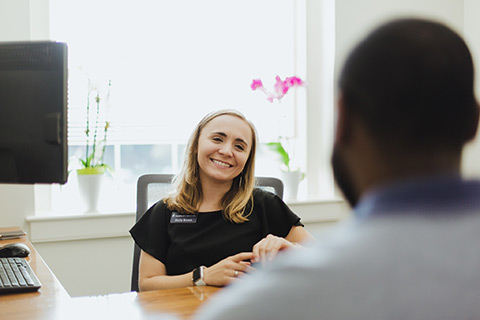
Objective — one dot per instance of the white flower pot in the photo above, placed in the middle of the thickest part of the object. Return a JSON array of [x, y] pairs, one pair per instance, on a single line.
[[89, 185], [291, 180]]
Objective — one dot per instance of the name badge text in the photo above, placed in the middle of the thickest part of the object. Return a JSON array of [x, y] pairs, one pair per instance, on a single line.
[[183, 218]]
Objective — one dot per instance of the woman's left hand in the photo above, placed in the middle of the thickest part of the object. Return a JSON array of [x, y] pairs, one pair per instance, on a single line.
[[266, 249]]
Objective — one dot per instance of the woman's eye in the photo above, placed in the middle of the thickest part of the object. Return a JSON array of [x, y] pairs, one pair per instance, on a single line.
[[240, 147], [217, 139]]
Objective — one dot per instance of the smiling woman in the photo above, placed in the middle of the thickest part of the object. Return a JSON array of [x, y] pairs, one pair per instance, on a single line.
[[215, 224], [217, 174]]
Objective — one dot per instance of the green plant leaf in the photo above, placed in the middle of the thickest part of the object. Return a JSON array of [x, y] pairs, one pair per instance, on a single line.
[[278, 148]]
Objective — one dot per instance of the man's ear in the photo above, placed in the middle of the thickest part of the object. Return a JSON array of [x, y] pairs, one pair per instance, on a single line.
[[343, 130], [472, 132]]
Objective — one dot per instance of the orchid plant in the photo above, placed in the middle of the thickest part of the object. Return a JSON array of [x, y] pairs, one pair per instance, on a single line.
[[280, 89], [96, 144]]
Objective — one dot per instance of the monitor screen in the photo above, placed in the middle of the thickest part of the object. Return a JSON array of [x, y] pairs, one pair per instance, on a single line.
[[33, 112]]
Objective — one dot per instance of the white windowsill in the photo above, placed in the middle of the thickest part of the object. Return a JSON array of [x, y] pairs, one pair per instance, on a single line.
[[79, 227], [317, 211], [51, 228]]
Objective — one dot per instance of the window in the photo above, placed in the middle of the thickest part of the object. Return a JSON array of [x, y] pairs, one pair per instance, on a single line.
[[172, 62]]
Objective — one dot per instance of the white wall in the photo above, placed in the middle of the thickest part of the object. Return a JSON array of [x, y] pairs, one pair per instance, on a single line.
[[471, 159], [14, 20], [355, 18], [16, 203], [90, 266]]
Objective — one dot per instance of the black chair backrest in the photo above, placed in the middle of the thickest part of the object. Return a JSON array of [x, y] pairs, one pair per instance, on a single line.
[[153, 187]]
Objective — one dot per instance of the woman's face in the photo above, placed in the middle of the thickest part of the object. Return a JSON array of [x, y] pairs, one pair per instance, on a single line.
[[224, 145]]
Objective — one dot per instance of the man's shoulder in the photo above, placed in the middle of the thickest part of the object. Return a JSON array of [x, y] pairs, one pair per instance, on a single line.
[[434, 195]]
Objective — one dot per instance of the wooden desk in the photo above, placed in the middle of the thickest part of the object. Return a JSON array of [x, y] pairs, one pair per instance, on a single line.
[[52, 301], [180, 303]]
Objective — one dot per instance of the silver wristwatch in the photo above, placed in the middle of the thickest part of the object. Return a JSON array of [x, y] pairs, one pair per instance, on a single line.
[[197, 277]]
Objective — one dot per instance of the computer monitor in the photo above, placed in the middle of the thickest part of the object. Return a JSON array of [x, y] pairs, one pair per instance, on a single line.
[[33, 112]]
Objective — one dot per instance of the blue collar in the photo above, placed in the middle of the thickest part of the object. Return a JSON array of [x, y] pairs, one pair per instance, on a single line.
[[428, 195]]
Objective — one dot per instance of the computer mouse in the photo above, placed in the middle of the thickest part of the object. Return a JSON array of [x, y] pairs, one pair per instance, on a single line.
[[18, 249]]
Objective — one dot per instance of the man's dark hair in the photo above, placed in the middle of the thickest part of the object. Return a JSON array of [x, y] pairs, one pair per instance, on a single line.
[[411, 82]]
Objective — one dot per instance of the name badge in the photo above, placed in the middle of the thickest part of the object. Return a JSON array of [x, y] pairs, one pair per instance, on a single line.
[[183, 218]]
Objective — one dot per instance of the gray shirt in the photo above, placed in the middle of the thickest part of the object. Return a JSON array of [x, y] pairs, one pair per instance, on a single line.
[[412, 252]]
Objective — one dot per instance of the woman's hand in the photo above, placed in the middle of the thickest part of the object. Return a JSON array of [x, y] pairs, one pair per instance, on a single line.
[[266, 249], [225, 271]]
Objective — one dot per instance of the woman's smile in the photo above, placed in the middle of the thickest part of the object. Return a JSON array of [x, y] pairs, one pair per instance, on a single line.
[[221, 163]]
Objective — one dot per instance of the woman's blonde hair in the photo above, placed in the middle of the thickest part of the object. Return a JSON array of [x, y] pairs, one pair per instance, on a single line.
[[188, 189]]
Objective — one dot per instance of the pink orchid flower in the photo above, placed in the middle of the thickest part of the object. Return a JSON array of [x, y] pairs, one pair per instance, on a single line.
[[294, 81], [256, 83], [280, 88]]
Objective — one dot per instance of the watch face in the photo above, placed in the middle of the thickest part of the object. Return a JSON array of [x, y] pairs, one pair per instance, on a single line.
[[196, 274]]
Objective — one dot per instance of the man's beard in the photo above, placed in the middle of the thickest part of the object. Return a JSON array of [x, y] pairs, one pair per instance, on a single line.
[[343, 177]]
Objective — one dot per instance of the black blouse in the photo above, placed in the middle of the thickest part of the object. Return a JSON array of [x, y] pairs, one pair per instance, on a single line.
[[183, 242]]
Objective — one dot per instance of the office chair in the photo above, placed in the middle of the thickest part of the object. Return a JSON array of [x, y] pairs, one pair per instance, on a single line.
[[274, 185], [153, 187]]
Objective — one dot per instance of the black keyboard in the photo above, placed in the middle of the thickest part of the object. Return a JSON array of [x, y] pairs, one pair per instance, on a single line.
[[17, 276]]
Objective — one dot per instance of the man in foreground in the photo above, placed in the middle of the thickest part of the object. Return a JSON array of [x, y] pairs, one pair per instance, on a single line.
[[405, 111]]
